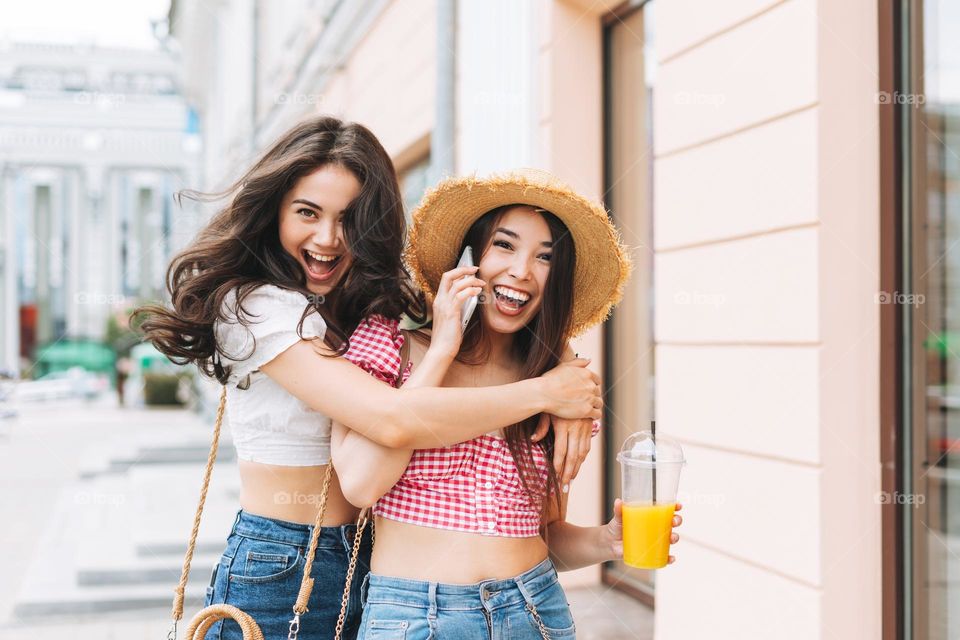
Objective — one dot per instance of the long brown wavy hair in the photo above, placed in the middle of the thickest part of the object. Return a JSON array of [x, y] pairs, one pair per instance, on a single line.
[[240, 247], [539, 345]]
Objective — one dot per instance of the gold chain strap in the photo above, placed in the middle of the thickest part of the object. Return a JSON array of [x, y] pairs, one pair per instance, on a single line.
[[361, 525], [536, 616]]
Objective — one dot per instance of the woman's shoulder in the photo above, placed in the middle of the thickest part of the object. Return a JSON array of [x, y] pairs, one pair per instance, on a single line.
[[264, 310], [376, 346], [261, 322], [380, 322], [385, 330], [263, 294], [261, 302], [377, 332]]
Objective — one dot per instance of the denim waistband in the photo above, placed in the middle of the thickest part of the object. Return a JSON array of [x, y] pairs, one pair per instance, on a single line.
[[257, 527], [488, 594]]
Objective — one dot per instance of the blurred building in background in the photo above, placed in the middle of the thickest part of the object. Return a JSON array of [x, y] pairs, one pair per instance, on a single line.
[[773, 165], [93, 143]]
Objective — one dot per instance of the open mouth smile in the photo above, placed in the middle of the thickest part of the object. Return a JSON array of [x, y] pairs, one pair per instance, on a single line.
[[510, 301], [320, 267]]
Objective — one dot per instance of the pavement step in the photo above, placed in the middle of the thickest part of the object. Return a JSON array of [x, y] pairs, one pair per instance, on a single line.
[[133, 451], [149, 569], [167, 501], [177, 549], [95, 461], [150, 525], [120, 537], [171, 455], [108, 598]]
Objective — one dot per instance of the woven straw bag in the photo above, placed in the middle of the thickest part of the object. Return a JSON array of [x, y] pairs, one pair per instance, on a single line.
[[206, 617]]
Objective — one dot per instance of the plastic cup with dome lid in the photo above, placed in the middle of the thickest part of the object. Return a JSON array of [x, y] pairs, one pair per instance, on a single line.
[[650, 467]]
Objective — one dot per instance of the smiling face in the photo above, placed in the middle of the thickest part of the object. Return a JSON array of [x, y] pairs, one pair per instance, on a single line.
[[515, 264], [311, 225]]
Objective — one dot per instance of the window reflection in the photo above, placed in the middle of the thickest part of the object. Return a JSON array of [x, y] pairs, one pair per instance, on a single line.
[[938, 175]]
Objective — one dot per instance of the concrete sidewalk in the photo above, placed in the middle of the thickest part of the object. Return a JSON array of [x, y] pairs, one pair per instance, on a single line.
[[105, 498]]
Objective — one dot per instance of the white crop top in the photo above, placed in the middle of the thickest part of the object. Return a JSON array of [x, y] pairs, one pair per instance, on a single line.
[[268, 424]]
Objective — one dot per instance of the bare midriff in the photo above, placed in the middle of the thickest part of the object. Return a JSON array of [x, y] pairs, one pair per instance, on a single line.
[[292, 494], [454, 557]]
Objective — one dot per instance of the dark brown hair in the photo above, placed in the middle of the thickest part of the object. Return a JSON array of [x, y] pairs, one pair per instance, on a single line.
[[240, 247], [539, 345]]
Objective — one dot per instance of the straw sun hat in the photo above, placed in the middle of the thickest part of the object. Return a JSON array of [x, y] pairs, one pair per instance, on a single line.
[[446, 212]]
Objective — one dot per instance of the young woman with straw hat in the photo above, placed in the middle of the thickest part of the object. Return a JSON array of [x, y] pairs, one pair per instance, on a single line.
[[460, 549]]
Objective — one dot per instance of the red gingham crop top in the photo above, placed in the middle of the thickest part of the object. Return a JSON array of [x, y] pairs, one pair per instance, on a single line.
[[473, 486]]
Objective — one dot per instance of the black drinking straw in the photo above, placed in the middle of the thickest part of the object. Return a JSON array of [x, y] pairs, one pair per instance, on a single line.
[[653, 433]]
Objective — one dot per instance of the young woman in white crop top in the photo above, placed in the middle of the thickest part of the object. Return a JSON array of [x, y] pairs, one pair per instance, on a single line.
[[264, 300]]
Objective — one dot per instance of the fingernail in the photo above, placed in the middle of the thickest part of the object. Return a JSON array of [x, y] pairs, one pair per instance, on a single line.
[[566, 488]]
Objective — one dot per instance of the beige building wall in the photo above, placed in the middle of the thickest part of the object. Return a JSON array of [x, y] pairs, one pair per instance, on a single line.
[[766, 219], [387, 83]]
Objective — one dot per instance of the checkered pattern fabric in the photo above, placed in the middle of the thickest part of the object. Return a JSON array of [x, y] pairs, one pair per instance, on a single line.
[[473, 486]]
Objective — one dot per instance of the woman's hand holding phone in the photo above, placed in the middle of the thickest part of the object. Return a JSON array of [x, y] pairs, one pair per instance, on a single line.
[[456, 287]]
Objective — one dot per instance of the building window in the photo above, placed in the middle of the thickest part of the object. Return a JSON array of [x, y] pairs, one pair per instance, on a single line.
[[929, 108], [628, 171], [414, 180]]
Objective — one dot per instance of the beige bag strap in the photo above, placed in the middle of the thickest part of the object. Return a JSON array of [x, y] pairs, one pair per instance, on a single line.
[[251, 631], [404, 353], [188, 558]]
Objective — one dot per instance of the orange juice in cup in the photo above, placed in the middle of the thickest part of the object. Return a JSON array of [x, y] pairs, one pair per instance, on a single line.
[[646, 534], [650, 465]]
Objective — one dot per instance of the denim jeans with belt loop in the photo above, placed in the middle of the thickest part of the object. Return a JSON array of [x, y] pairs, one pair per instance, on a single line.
[[526, 606]]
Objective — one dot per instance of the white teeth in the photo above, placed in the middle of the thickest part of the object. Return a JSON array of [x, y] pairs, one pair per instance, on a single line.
[[321, 258], [517, 296]]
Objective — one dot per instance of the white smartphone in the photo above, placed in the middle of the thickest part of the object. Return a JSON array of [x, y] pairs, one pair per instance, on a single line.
[[466, 260]]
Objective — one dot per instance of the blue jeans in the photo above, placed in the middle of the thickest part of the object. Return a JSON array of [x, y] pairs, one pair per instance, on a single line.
[[401, 609], [261, 570]]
